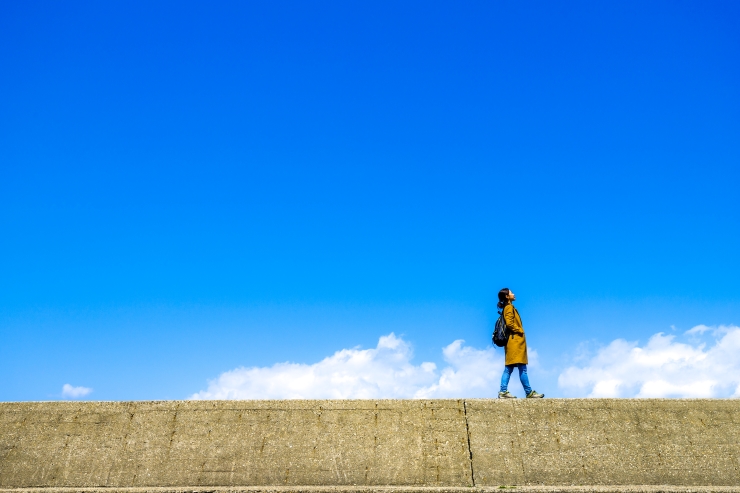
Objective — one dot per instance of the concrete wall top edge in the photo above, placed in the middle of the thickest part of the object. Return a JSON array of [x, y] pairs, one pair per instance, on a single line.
[[296, 404], [335, 401]]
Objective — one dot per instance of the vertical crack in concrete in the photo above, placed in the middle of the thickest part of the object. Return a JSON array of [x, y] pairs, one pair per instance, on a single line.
[[470, 450], [518, 441]]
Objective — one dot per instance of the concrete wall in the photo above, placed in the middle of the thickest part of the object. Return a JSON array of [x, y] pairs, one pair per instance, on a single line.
[[202, 443], [366, 443], [605, 441]]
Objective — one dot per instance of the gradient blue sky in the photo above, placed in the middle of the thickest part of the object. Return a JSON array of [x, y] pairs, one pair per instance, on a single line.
[[186, 188]]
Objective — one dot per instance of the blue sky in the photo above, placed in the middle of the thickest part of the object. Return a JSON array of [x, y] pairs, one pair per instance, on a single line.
[[190, 188]]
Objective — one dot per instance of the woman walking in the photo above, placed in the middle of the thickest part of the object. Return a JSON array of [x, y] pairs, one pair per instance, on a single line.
[[516, 347]]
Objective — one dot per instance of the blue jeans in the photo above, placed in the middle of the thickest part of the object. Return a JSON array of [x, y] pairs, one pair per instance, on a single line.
[[522, 376]]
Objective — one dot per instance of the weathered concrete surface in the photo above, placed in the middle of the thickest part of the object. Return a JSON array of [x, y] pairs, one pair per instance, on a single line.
[[290, 446], [396, 489], [605, 441], [210, 443]]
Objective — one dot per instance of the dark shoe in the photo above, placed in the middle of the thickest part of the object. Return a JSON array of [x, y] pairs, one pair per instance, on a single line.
[[535, 395], [506, 395]]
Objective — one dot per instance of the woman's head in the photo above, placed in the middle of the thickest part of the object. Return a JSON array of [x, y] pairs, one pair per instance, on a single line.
[[505, 296]]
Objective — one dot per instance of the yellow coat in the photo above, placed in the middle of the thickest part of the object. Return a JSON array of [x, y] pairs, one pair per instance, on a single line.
[[516, 346]]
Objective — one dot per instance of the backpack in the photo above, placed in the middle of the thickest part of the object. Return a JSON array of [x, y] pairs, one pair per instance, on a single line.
[[500, 333]]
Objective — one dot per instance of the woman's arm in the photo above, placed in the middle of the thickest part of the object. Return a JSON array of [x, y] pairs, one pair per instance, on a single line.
[[511, 322]]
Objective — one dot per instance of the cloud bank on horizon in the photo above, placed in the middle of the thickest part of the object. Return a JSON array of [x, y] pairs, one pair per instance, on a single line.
[[385, 371], [663, 367]]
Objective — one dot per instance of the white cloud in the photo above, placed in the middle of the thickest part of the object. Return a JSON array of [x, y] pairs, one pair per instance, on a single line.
[[664, 367], [385, 371], [70, 392], [699, 329]]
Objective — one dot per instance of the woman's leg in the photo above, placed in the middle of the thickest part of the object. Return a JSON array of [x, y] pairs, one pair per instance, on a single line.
[[524, 378], [505, 377]]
